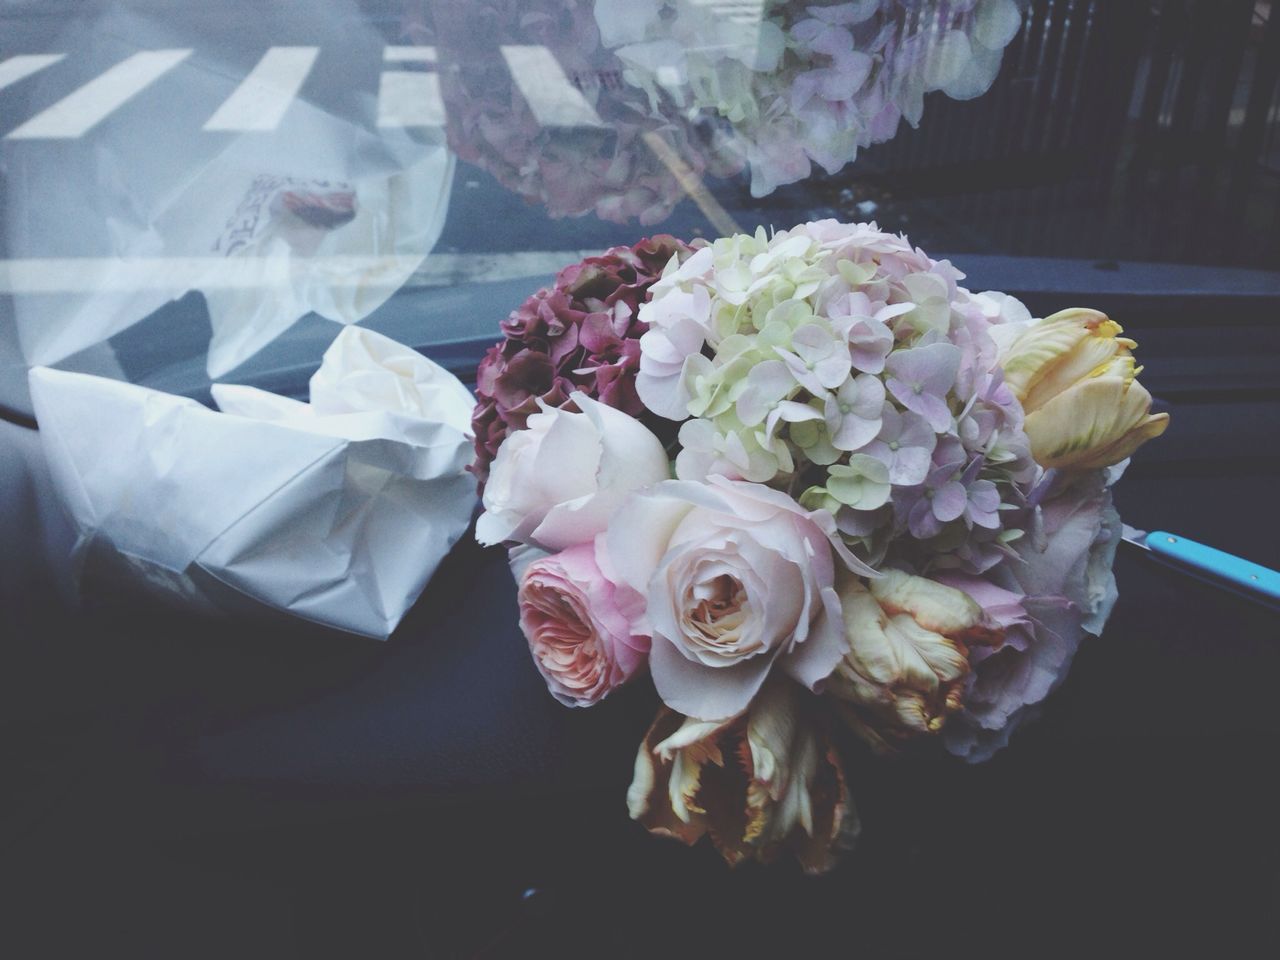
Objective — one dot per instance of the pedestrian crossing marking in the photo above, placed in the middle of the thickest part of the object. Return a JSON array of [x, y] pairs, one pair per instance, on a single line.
[[79, 111], [410, 99], [409, 93], [555, 101], [262, 98], [409, 54], [23, 66], [53, 275]]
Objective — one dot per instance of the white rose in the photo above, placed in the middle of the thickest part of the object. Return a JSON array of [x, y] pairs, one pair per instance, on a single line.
[[556, 483], [735, 576]]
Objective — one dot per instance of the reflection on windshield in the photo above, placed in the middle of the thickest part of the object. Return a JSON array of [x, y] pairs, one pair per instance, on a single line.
[[283, 204], [177, 186], [584, 120]]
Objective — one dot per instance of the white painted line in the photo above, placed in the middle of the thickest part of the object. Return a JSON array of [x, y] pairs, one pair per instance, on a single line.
[[409, 54], [262, 98], [90, 274], [410, 98], [21, 67], [455, 269], [555, 101], [75, 114], [106, 274]]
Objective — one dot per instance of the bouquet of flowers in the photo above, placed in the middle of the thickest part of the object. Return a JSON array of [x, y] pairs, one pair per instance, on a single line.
[[805, 82], [808, 483]]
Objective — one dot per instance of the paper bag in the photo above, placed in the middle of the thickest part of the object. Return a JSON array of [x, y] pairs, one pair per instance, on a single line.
[[337, 511]]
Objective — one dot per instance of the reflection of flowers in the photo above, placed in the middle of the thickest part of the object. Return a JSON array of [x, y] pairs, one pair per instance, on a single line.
[[581, 333], [608, 170], [809, 82]]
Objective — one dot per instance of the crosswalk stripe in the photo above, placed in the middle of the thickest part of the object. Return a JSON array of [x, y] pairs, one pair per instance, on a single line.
[[555, 101], [409, 54], [410, 98], [406, 97], [262, 98], [20, 67], [739, 11], [79, 111]]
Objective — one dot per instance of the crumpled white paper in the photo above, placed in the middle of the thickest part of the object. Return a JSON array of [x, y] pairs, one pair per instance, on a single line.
[[337, 511]]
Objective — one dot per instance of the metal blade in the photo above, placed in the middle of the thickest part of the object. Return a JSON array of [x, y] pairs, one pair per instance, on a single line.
[[1134, 536]]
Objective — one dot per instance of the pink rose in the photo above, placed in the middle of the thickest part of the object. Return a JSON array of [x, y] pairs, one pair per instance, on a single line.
[[735, 577], [580, 641]]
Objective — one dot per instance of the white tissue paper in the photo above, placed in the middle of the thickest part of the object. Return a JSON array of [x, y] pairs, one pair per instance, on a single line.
[[337, 511]]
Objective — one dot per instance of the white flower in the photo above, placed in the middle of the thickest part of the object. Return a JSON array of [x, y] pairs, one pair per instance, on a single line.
[[734, 452], [853, 413], [556, 483], [735, 576], [863, 484]]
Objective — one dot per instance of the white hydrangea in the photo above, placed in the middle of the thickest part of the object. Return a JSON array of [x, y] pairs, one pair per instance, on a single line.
[[839, 363]]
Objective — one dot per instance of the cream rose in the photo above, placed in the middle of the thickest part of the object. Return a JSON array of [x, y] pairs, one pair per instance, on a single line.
[[734, 576], [556, 483]]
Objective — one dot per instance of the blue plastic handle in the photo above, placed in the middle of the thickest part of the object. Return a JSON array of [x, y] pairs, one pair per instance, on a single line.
[[1241, 575]]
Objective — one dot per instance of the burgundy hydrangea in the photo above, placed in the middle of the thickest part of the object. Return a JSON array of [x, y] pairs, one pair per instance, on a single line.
[[581, 333]]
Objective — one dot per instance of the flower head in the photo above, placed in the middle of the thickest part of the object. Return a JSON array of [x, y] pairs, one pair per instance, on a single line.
[[1076, 379], [580, 640], [582, 333], [735, 577], [1059, 589], [920, 378], [1096, 423], [854, 412], [556, 483], [906, 661], [759, 784], [904, 445]]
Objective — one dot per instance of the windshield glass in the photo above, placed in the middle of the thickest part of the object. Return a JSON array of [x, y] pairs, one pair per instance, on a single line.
[[192, 193]]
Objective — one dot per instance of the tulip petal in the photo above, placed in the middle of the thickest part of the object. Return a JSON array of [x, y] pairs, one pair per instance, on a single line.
[[1096, 423]]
